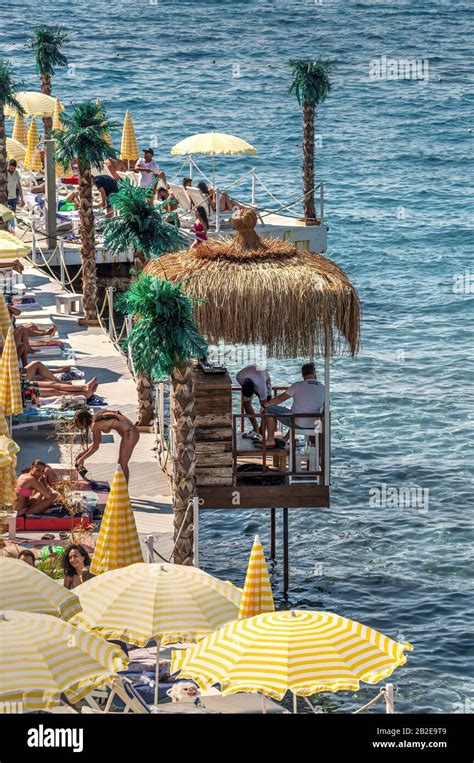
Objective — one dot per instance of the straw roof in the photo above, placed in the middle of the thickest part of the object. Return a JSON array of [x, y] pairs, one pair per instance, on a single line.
[[266, 291]]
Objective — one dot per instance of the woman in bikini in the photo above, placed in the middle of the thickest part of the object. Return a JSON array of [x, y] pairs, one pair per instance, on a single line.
[[33, 489], [201, 226], [76, 562], [103, 423]]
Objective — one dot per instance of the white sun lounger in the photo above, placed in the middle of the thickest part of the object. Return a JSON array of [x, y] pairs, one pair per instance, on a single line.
[[181, 196]]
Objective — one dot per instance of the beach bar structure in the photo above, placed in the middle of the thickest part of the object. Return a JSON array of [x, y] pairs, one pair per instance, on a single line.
[[295, 303]]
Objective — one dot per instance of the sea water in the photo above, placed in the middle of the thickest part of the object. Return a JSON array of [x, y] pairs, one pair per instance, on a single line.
[[394, 149]]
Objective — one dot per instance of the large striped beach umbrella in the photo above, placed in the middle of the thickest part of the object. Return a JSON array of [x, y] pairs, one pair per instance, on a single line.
[[29, 590], [300, 651], [129, 148], [166, 602], [35, 104], [8, 451], [118, 544], [5, 318], [19, 130], [42, 657], [257, 595], [15, 149], [10, 387], [32, 160]]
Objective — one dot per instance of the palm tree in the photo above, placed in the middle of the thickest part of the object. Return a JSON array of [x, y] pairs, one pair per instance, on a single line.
[[47, 42], [139, 226], [8, 91], [311, 85], [162, 341], [84, 136]]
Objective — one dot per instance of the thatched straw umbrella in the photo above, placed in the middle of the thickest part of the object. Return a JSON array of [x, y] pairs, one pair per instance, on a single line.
[[254, 291]]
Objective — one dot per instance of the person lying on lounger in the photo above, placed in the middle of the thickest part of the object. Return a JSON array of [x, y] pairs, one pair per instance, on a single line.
[[34, 494], [103, 423], [32, 328], [54, 388]]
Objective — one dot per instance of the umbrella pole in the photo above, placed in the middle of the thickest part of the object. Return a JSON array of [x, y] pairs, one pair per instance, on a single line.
[[157, 672], [191, 166], [295, 704]]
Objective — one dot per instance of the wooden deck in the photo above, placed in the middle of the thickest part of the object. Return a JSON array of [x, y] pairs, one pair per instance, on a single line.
[[97, 356]]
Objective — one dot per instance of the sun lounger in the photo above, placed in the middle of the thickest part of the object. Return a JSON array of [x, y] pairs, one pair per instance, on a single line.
[[241, 703], [129, 175], [182, 197], [123, 690]]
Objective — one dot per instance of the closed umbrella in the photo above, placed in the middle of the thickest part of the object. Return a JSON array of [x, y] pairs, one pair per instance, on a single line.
[[3, 423], [10, 246], [29, 590], [118, 544], [257, 595], [10, 387], [300, 651], [165, 602], [57, 124], [8, 451], [19, 130], [5, 318], [32, 160], [15, 149], [129, 147], [42, 657]]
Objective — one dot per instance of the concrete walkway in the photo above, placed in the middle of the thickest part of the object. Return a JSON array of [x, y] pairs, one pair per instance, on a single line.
[[96, 356]]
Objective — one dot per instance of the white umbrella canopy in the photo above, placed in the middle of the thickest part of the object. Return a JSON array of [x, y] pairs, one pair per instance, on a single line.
[[213, 144]]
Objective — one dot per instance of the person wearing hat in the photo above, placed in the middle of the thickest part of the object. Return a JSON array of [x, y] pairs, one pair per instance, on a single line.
[[148, 169]]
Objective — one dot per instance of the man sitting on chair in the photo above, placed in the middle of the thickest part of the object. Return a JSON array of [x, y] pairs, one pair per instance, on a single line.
[[308, 397], [254, 381]]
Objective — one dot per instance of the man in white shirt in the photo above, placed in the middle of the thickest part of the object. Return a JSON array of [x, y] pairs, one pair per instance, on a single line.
[[15, 191], [308, 397], [254, 381], [148, 169]]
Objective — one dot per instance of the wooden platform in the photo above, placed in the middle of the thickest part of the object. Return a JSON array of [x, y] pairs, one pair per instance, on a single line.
[[294, 496]]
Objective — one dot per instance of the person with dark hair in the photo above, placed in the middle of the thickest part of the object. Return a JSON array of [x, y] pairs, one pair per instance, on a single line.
[[226, 204], [201, 226], [148, 170], [15, 191], [27, 556], [34, 494], [187, 182], [76, 562], [308, 397], [106, 186], [168, 205], [103, 423], [254, 381]]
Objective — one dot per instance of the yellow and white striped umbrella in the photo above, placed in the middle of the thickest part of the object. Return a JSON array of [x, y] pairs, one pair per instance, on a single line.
[[118, 544], [145, 601], [3, 424], [15, 149], [10, 246], [32, 160], [19, 131], [29, 590], [304, 652], [35, 104], [129, 148], [257, 595], [213, 143], [57, 124], [5, 317], [10, 388], [8, 451], [42, 657]]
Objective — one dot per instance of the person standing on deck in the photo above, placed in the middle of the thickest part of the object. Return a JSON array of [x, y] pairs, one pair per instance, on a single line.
[[103, 423], [148, 170], [254, 381], [15, 191]]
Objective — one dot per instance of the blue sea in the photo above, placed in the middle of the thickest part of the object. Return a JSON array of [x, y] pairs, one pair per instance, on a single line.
[[396, 159]]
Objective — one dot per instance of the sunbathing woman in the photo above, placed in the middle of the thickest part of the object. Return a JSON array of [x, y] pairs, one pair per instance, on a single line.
[[37, 368], [32, 328], [226, 204], [56, 388], [103, 423], [33, 495]]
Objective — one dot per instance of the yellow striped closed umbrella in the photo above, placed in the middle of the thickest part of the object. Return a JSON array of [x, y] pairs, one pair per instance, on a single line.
[[118, 544], [3, 423], [8, 451], [300, 651], [129, 148], [19, 130], [32, 160], [29, 590], [42, 657], [57, 124], [257, 595], [15, 149], [10, 246], [5, 318], [10, 388]]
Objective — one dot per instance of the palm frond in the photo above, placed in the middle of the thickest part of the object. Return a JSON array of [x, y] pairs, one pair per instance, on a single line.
[[311, 80], [9, 88], [46, 43], [138, 225], [84, 135], [164, 335]]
